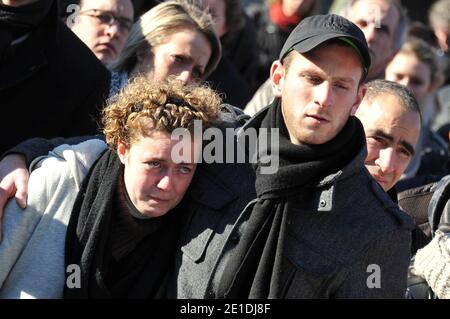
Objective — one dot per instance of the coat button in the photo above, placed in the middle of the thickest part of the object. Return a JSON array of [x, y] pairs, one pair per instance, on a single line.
[[234, 239], [323, 203], [211, 295]]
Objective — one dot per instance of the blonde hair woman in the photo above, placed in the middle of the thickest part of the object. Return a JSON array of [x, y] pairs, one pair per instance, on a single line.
[[175, 37]]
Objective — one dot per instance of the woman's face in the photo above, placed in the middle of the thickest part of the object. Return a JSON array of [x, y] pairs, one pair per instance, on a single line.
[[155, 182], [409, 71], [185, 55]]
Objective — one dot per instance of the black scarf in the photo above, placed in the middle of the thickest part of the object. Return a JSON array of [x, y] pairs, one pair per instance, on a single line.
[[17, 21], [88, 242], [255, 268]]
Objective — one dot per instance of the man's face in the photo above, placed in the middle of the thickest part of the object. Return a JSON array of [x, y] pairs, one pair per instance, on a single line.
[[154, 182], [319, 91], [185, 55], [409, 71], [378, 20], [105, 40], [391, 134]]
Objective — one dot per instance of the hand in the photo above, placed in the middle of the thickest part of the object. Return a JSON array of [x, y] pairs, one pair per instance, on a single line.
[[13, 182]]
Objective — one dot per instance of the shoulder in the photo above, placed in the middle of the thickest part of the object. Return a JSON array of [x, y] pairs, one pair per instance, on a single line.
[[72, 161], [231, 117], [373, 206], [73, 56]]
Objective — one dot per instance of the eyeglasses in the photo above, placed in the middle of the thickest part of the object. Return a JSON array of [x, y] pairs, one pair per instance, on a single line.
[[107, 18]]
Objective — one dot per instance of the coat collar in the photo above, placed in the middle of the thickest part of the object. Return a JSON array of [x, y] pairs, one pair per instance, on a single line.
[[327, 185]]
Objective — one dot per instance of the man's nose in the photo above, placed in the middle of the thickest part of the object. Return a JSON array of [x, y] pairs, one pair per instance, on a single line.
[[323, 94], [113, 30], [386, 160]]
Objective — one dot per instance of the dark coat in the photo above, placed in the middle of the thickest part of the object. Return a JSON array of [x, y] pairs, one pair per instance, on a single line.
[[52, 86], [235, 75], [215, 199], [269, 40], [227, 81], [341, 231]]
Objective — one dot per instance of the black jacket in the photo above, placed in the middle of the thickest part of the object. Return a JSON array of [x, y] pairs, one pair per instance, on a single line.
[[269, 41], [53, 85]]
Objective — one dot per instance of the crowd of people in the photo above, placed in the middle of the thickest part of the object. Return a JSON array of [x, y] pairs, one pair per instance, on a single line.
[[330, 125]]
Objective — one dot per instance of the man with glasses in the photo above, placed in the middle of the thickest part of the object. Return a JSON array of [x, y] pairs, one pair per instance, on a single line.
[[103, 25]]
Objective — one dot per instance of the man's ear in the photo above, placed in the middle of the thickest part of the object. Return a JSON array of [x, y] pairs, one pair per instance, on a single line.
[[359, 97], [122, 151], [277, 74]]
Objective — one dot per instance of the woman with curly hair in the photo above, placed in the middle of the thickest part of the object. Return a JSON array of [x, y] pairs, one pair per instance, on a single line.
[[103, 219]]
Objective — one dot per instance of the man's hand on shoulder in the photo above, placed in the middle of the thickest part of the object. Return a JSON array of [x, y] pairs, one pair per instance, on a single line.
[[13, 182]]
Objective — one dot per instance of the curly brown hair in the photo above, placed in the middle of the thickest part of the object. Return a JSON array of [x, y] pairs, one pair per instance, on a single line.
[[144, 106]]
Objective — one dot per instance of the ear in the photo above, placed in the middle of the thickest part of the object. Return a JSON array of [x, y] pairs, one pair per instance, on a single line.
[[359, 97], [122, 151], [277, 74]]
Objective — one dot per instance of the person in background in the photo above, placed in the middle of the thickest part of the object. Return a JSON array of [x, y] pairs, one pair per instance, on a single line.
[[103, 25], [175, 37], [235, 74], [416, 67], [274, 20], [391, 118], [439, 19], [384, 25], [392, 124]]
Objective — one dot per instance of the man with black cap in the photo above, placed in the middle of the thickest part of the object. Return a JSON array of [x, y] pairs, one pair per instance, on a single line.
[[321, 226]]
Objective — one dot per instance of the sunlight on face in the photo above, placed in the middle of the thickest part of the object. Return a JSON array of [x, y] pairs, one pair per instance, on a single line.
[[392, 133], [406, 69], [185, 55], [154, 182], [319, 91]]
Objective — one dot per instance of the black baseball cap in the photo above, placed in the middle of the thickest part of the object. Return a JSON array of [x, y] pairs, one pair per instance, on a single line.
[[317, 29]]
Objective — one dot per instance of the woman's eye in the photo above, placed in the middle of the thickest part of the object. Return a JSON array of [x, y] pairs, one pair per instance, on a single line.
[[178, 58], [154, 164], [185, 169]]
